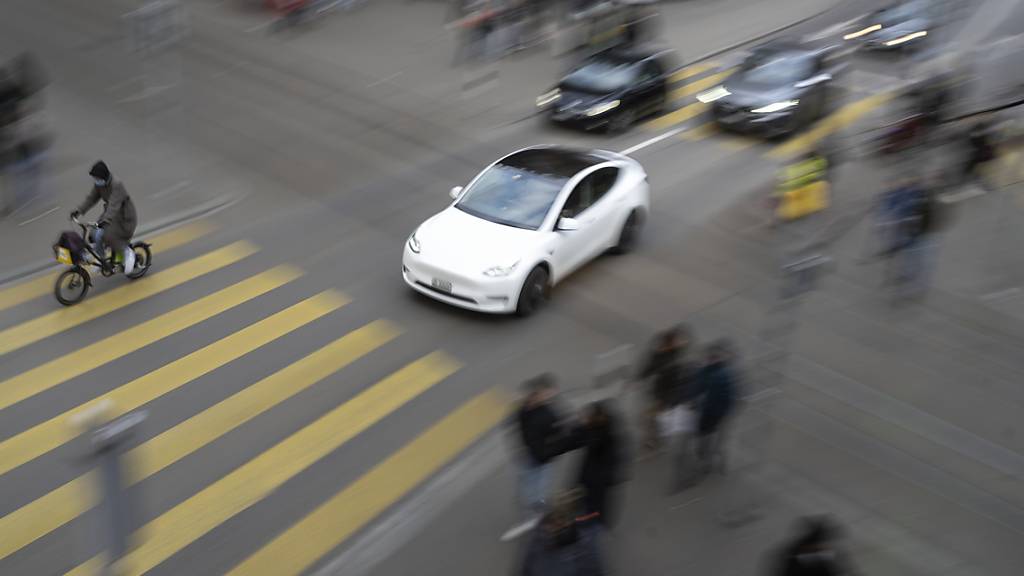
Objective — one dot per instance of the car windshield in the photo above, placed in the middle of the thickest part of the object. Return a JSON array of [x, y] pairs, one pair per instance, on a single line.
[[601, 76], [902, 13], [777, 69], [511, 196]]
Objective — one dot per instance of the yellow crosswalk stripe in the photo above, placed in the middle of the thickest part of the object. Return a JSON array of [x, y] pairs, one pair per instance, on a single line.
[[43, 285], [842, 118], [185, 523], [205, 427], [679, 116], [691, 71], [700, 85], [64, 368], [51, 511], [336, 520], [54, 432], [32, 331]]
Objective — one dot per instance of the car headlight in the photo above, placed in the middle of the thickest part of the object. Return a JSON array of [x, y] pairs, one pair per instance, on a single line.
[[602, 108], [713, 94], [862, 32], [906, 38], [500, 271], [414, 243], [548, 97], [776, 107]]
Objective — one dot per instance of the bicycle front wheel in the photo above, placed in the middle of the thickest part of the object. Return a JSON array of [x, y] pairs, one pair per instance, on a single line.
[[72, 286]]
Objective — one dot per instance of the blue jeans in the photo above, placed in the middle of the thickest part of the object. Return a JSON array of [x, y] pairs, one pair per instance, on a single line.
[[534, 480]]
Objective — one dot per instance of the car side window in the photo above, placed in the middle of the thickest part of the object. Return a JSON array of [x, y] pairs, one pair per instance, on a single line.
[[578, 200], [602, 182], [651, 71]]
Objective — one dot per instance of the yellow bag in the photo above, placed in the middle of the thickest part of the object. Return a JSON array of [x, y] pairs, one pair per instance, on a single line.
[[803, 201]]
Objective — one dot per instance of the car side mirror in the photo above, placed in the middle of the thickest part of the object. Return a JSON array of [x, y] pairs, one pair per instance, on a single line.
[[567, 224], [456, 191], [813, 81]]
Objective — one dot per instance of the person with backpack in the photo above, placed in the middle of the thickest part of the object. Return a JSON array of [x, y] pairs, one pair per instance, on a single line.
[[719, 396], [601, 468]]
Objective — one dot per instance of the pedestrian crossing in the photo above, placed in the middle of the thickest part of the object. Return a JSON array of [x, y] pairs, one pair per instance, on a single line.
[[41, 518], [695, 116]]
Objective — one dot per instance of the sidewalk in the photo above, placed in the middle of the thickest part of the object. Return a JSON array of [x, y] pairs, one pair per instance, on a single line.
[[98, 109], [415, 59]]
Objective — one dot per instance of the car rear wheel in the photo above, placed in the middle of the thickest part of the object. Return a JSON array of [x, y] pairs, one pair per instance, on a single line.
[[534, 292], [629, 234]]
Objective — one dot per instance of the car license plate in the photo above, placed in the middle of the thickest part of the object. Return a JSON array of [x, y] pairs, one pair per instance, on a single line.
[[63, 256], [442, 285]]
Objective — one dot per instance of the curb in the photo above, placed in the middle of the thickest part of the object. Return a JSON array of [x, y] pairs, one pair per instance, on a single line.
[[203, 210], [763, 35]]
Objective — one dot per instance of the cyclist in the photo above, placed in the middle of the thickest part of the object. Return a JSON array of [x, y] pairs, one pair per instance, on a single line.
[[117, 223]]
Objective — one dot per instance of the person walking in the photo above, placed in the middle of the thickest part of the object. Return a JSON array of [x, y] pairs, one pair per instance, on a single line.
[[543, 437], [601, 468], [813, 552], [663, 369], [567, 543], [718, 394]]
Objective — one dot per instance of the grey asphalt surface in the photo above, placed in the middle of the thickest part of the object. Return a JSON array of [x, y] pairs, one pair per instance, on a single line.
[[902, 423]]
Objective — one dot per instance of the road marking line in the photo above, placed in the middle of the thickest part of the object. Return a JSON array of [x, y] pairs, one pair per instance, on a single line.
[[60, 370], [39, 217], [681, 115], [55, 322], [652, 141], [175, 529], [355, 506], [844, 117], [51, 511], [700, 85], [691, 71], [54, 432], [43, 285]]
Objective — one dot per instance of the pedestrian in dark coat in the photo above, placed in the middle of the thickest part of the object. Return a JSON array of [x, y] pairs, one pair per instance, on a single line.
[[718, 388], [601, 467], [543, 437], [565, 545], [664, 368], [812, 552]]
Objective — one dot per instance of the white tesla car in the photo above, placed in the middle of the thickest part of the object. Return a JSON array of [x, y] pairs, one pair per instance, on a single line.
[[525, 223]]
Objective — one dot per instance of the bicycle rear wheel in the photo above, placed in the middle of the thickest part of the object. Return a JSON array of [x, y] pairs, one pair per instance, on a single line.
[[143, 260], [72, 286]]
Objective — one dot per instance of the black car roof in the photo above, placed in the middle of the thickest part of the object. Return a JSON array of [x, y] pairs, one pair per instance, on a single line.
[[784, 46], [552, 161], [624, 54]]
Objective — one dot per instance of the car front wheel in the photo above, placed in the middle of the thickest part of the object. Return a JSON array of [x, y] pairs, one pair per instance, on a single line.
[[533, 293]]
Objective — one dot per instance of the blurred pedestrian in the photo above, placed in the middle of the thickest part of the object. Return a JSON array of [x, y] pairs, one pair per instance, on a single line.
[[31, 139], [663, 370], [601, 468], [567, 543], [981, 150], [813, 552], [718, 398], [543, 436], [803, 187], [10, 100]]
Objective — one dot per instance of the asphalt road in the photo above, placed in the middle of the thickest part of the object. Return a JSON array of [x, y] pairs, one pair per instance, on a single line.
[[295, 388]]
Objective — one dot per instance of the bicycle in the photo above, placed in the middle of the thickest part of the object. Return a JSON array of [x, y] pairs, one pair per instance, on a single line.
[[73, 284]]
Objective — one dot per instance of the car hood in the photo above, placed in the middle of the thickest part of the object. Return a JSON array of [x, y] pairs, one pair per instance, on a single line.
[[752, 95], [578, 101], [465, 244], [894, 31]]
